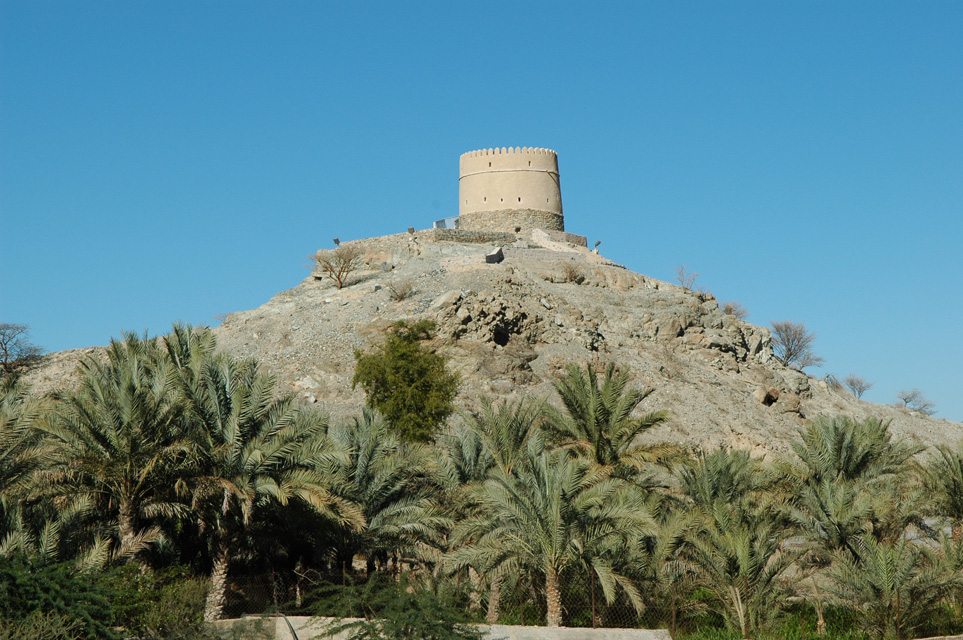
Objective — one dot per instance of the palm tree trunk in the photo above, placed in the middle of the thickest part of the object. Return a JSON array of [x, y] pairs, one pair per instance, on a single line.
[[215, 597], [494, 600], [553, 599], [474, 597], [125, 526]]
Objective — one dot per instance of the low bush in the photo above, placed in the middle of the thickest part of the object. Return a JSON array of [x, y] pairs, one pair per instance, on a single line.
[[393, 610], [55, 598]]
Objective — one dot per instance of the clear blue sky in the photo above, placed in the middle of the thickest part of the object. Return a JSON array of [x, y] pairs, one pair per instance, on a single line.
[[164, 161]]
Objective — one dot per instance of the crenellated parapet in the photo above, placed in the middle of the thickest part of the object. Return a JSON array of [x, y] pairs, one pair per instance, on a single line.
[[509, 188]]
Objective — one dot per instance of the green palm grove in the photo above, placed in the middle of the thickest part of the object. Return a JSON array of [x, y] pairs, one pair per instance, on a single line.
[[555, 511]]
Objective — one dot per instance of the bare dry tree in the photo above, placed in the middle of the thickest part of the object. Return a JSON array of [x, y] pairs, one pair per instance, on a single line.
[[833, 382], [915, 400], [338, 263], [857, 385], [15, 347], [792, 344], [401, 290], [733, 308], [685, 278]]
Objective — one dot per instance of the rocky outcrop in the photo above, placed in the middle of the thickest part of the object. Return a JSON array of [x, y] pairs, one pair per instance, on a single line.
[[510, 326]]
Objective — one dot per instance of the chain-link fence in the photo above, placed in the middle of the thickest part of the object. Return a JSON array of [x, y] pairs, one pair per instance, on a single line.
[[517, 599]]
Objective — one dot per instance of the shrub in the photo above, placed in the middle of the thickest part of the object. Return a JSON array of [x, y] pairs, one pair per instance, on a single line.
[[407, 382], [572, 273], [41, 626], [159, 605], [733, 308], [69, 600], [391, 610], [401, 290]]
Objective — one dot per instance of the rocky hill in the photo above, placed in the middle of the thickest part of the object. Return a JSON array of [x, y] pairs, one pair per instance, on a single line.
[[512, 314]]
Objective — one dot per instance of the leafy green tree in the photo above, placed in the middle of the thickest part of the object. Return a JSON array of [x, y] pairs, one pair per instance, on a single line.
[[832, 515], [598, 421], [252, 448], [550, 513], [166, 604], [407, 382]]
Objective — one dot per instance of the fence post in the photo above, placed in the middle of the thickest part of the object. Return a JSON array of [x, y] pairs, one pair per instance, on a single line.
[[592, 588]]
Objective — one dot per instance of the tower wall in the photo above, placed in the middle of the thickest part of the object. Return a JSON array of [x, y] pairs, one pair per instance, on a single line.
[[501, 189]]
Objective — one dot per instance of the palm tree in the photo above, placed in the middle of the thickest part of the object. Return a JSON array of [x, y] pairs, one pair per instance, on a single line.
[[504, 431], [724, 475], [944, 479], [506, 428], [598, 421], [252, 449], [465, 460], [394, 486], [842, 448], [118, 442], [19, 456], [832, 515], [851, 480], [659, 562], [550, 513], [894, 586], [740, 559]]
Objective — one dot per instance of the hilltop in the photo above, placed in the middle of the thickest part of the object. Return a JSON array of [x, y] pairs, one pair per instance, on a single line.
[[509, 326]]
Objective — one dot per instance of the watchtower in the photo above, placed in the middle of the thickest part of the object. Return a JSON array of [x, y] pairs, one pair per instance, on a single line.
[[509, 189]]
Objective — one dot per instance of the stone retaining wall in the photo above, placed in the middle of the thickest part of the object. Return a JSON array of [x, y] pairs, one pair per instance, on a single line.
[[479, 236], [305, 628], [509, 219], [546, 255], [562, 236]]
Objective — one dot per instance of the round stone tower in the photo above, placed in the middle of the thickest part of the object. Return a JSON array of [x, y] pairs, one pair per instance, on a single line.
[[509, 189]]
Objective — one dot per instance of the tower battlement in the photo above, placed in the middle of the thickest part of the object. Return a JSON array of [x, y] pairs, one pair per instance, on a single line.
[[508, 188]]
